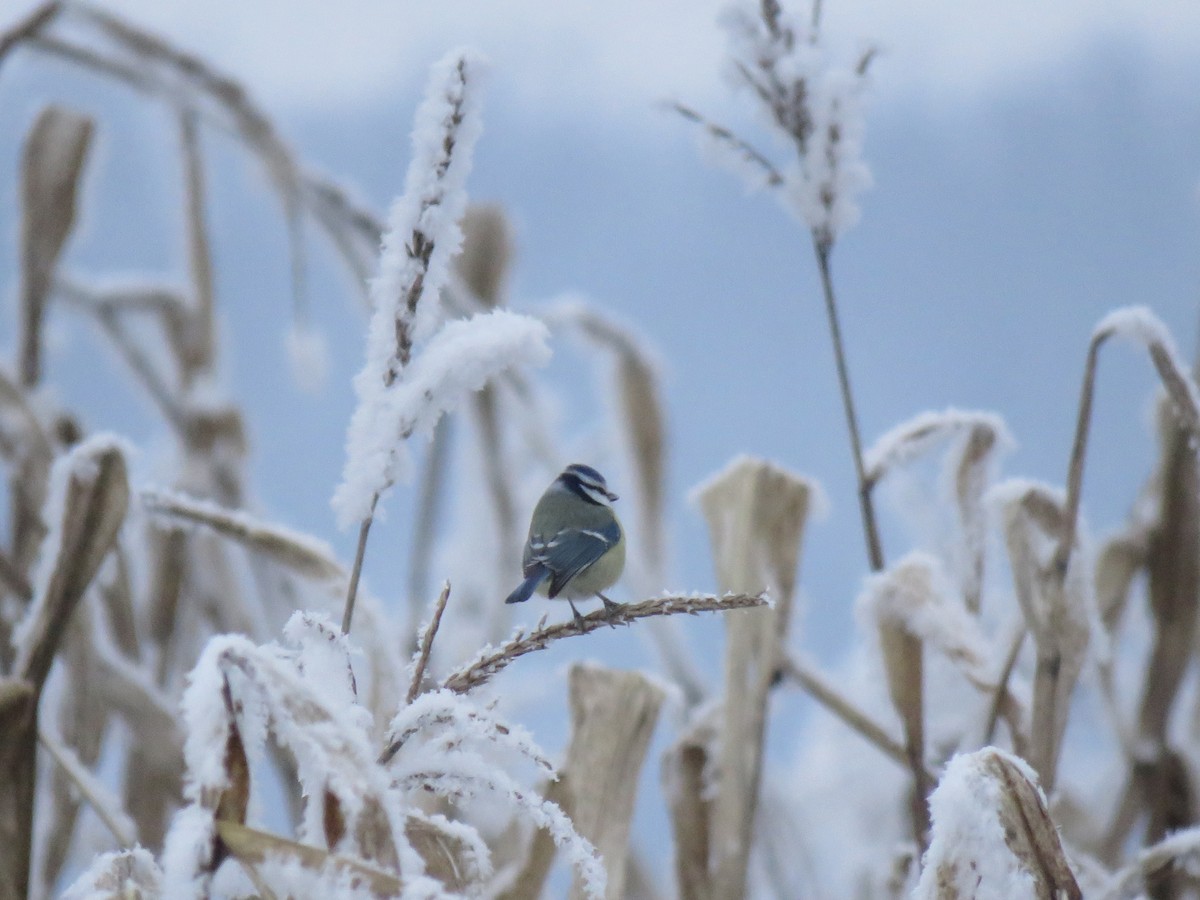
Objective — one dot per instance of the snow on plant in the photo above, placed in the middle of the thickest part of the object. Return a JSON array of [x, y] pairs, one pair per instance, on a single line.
[[423, 235], [360, 803], [812, 104]]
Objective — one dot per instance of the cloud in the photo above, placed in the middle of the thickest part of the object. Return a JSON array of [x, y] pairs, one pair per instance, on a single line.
[[576, 56]]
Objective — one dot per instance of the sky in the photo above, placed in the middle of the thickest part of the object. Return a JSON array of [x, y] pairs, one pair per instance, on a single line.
[[1035, 166]]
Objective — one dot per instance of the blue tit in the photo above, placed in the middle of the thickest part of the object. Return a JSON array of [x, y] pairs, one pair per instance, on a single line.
[[576, 547]]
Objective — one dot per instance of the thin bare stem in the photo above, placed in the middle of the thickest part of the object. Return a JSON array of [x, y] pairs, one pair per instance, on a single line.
[[356, 573], [491, 661], [823, 246], [723, 136], [1062, 555], [427, 645], [28, 27], [1001, 691], [89, 788], [824, 692]]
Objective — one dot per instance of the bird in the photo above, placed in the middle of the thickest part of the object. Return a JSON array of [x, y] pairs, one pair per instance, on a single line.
[[576, 546]]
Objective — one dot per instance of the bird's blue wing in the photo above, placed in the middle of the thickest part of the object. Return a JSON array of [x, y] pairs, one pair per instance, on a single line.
[[570, 552]]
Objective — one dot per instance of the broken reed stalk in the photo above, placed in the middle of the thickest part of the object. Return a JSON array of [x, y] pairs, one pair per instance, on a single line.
[[491, 661], [427, 645]]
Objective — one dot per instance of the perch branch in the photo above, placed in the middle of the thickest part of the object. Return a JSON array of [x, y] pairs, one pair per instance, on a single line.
[[492, 660]]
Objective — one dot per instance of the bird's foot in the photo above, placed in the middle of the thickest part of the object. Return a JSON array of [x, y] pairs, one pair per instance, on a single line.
[[578, 618], [610, 609]]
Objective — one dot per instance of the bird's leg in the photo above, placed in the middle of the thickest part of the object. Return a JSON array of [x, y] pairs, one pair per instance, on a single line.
[[610, 608], [578, 617]]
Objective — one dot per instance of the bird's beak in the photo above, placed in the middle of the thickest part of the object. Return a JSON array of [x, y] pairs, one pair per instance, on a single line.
[[611, 495]]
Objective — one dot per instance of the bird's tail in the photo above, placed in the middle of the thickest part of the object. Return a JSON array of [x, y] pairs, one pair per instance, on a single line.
[[525, 589]]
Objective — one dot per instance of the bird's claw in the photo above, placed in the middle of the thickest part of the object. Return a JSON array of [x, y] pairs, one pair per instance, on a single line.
[[610, 609]]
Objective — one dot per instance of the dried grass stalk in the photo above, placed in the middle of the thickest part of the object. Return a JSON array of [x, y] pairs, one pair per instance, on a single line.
[[686, 775], [1173, 566], [93, 508], [198, 346], [51, 169], [32, 24], [756, 514], [1053, 604], [251, 847], [819, 687], [612, 719], [302, 554], [491, 661], [904, 665]]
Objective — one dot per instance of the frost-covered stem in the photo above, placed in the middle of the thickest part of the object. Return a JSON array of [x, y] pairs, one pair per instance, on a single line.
[[352, 590], [427, 645], [491, 660], [420, 245], [823, 246]]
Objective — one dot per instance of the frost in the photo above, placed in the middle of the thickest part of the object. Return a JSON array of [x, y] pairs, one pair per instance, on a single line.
[[421, 238], [969, 854], [817, 106], [125, 873], [402, 393], [914, 437], [914, 593], [462, 357]]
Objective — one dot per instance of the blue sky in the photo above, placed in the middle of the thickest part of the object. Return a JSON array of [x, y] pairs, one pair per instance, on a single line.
[[1033, 169]]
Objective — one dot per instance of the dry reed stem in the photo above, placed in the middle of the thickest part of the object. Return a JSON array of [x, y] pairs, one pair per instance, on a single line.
[[199, 346], [722, 136], [1173, 851], [685, 778], [110, 307], [24, 29], [756, 515], [1179, 388], [970, 481], [250, 847], [360, 552], [414, 689], [491, 661], [426, 522], [1054, 611], [818, 686], [91, 790], [52, 164], [613, 715], [93, 511], [612, 719], [294, 551], [902, 651], [82, 720]]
